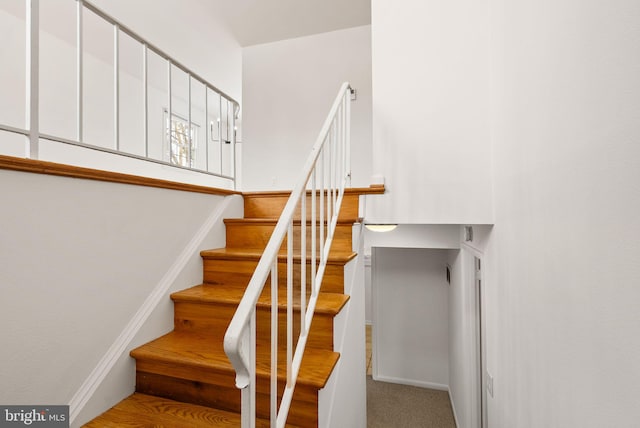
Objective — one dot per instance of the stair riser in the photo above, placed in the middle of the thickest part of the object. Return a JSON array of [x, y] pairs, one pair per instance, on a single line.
[[225, 396], [213, 319], [258, 206], [257, 235], [223, 271]]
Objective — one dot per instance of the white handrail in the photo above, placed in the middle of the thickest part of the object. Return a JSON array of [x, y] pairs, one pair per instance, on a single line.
[[239, 341]]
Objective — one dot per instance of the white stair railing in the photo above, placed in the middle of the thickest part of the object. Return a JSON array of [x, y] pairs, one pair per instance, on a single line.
[[325, 175], [210, 151]]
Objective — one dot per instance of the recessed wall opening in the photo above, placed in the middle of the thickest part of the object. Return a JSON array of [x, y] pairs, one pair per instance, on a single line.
[[427, 316]]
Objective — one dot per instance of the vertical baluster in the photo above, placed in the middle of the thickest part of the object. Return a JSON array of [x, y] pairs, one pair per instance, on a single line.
[[313, 233], [248, 394], [274, 341], [116, 86], [322, 195], [32, 113], [303, 260], [330, 190], [145, 92], [336, 158], [339, 147], [233, 142], [170, 113], [343, 140], [189, 137], [348, 137], [334, 152], [289, 301], [337, 131], [220, 131], [207, 127], [338, 171], [79, 72]]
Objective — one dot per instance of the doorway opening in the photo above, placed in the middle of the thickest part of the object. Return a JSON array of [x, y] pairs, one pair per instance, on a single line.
[[481, 351]]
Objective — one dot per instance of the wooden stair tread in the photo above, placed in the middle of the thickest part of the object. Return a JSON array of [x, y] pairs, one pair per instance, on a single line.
[[200, 351], [339, 258], [141, 410], [231, 294], [374, 189]]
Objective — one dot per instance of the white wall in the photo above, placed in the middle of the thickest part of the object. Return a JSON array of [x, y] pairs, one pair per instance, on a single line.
[[431, 111], [464, 388], [564, 296], [444, 236], [410, 320], [406, 236], [188, 30], [462, 353], [79, 257], [343, 401], [289, 87]]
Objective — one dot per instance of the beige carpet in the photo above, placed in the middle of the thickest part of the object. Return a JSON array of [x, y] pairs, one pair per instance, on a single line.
[[400, 406]]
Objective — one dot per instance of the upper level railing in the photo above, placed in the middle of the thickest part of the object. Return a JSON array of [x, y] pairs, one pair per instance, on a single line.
[[324, 177], [181, 120]]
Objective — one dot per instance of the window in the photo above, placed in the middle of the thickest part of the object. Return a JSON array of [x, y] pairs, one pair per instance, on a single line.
[[180, 146]]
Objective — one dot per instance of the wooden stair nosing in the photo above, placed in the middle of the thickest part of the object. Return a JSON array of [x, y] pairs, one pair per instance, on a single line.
[[196, 351], [374, 189], [327, 303], [256, 254], [140, 410]]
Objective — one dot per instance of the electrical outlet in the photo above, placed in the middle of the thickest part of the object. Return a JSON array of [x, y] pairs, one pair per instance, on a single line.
[[490, 384]]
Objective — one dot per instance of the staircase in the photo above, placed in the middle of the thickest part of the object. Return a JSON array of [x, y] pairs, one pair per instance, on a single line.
[[184, 379]]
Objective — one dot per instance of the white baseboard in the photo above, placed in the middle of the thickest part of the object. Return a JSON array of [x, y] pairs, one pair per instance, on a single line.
[[412, 382], [453, 408], [119, 346]]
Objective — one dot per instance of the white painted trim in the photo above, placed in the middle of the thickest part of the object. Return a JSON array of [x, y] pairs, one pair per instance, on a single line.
[[411, 382], [113, 354], [358, 243], [453, 408], [337, 371], [375, 314], [473, 250]]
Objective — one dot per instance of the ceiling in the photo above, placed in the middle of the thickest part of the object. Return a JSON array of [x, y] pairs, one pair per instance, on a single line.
[[262, 21]]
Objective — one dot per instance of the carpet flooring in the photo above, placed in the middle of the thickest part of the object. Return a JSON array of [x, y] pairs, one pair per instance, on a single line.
[[401, 406]]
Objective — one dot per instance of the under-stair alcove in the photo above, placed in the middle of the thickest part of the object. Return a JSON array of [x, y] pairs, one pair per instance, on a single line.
[[410, 302], [422, 305]]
